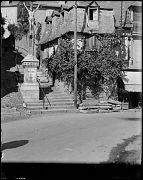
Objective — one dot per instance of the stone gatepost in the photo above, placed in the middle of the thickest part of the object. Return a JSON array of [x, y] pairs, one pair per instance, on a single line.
[[30, 87]]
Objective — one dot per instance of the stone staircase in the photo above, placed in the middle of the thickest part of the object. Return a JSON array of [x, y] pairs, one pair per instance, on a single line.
[[57, 99], [52, 99], [90, 104]]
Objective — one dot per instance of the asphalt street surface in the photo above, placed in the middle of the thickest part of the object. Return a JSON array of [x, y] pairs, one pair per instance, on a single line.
[[68, 137]]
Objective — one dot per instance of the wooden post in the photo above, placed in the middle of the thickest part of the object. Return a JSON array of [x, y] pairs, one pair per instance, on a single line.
[[75, 56]]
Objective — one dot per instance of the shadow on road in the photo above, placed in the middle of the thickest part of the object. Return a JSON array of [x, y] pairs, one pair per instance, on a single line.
[[132, 119], [13, 144], [119, 154]]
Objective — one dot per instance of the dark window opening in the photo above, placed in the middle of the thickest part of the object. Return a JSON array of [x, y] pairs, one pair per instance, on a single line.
[[48, 20], [62, 13], [93, 14]]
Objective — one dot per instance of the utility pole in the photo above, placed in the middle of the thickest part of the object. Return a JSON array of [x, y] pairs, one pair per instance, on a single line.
[[75, 56], [121, 25], [121, 12]]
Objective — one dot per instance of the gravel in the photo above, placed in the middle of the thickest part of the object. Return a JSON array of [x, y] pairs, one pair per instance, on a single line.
[[12, 103]]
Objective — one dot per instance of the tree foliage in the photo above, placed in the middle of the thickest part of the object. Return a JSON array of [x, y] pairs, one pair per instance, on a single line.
[[98, 68]]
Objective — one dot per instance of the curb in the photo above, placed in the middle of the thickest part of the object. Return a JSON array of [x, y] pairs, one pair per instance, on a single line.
[[107, 111], [9, 117]]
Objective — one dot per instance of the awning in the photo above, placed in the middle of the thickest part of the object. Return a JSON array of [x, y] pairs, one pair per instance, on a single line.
[[133, 82]]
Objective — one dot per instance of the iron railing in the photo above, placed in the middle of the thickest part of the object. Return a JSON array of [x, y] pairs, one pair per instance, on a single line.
[[44, 95]]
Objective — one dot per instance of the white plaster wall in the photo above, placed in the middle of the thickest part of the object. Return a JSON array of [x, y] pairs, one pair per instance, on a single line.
[[137, 54], [50, 50], [10, 13], [45, 53]]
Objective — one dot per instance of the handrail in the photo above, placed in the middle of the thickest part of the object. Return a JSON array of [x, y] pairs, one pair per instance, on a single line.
[[44, 94]]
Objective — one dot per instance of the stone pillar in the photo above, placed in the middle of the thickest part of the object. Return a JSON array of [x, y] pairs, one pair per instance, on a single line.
[[30, 87]]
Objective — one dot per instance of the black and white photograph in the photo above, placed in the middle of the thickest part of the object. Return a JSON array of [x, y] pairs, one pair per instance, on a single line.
[[71, 89]]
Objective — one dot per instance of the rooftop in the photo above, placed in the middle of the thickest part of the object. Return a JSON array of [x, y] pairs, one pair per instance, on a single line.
[[136, 3], [62, 25], [7, 3]]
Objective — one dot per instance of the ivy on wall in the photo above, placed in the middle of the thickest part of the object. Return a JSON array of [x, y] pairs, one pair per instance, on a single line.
[[98, 68]]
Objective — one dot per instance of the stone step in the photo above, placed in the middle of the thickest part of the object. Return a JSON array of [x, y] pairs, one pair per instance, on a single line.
[[45, 84], [55, 101], [60, 103], [45, 111], [35, 107], [51, 107], [34, 104], [57, 94], [51, 103], [94, 104], [90, 100], [38, 101], [60, 100], [58, 90], [95, 107]]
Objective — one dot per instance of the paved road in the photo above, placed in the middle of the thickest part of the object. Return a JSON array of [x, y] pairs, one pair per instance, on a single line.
[[68, 137]]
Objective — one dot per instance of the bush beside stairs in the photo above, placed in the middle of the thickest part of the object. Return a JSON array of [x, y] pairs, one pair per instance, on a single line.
[[90, 104]]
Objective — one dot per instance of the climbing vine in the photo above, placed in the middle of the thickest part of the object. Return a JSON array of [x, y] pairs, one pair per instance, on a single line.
[[98, 68]]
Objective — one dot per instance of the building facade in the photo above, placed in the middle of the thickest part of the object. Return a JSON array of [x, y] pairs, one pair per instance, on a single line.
[[90, 20], [9, 13], [133, 33], [93, 17]]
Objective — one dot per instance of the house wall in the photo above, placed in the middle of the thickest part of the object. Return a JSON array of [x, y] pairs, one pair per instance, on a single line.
[[135, 42], [49, 50], [10, 13], [94, 23], [133, 72], [106, 20], [40, 16], [136, 54], [69, 21]]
